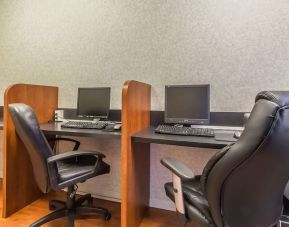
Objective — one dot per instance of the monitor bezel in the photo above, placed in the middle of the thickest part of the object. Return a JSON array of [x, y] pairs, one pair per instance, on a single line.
[[191, 121], [93, 116]]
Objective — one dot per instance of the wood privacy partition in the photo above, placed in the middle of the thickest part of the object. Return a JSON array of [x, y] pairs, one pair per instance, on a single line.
[[135, 158], [19, 186]]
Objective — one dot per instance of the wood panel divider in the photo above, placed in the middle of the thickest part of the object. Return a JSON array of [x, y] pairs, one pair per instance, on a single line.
[[135, 157], [19, 186]]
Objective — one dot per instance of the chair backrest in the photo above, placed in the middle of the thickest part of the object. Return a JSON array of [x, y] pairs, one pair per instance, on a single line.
[[245, 186], [28, 129]]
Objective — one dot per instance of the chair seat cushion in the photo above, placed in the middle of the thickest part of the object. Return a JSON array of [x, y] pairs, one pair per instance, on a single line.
[[196, 204], [75, 167]]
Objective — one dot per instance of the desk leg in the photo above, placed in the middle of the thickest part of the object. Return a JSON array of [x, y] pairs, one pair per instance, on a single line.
[[136, 191]]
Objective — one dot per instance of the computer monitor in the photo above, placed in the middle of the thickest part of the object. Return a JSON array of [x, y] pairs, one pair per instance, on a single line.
[[187, 104], [93, 102]]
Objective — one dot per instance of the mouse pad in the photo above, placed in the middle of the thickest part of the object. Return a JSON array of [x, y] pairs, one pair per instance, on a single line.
[[225, 136]]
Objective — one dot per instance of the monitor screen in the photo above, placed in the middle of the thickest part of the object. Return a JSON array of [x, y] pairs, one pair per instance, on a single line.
[[93, 102], [187, 104]]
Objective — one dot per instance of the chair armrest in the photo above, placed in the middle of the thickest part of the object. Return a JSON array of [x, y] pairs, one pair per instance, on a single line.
[[71, 154], [178, 168], [76, 146], [180, 173]]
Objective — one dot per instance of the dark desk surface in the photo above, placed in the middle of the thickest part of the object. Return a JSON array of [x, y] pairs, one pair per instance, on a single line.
[[56, 129], [149, 136]]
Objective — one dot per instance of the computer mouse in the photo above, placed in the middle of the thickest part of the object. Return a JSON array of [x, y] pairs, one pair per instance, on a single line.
[[117, 127], [237, 134]]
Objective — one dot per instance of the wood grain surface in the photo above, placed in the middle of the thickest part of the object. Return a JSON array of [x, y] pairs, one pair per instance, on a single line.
[[19, 186], [135, 158]]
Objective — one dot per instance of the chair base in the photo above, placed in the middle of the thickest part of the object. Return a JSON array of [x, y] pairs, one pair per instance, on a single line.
[[71, 209]]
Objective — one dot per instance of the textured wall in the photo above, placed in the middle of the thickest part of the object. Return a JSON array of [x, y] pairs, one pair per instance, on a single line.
[[239, 47]]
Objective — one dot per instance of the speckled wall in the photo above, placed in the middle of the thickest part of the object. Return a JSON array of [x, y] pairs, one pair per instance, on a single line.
[[239, 47]]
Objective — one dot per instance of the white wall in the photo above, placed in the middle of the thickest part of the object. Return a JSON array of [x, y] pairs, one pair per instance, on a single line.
[[239, 47]]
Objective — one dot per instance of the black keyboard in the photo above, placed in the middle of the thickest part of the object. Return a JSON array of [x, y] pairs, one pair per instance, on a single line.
[[184, 131], [84, 124]]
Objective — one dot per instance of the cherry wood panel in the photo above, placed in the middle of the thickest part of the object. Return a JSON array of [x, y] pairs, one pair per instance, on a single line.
[[19, 186], [135, 158]]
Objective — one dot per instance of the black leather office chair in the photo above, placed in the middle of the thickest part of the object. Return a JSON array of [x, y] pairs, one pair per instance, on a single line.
[[243, 184], [56, 172]]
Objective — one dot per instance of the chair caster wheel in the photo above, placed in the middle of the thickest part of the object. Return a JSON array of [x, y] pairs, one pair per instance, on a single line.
[[107, 217]]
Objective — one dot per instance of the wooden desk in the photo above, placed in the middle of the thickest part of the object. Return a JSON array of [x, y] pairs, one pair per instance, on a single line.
[[135, 151], [135, 148], [141, 148], [136, 138]]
